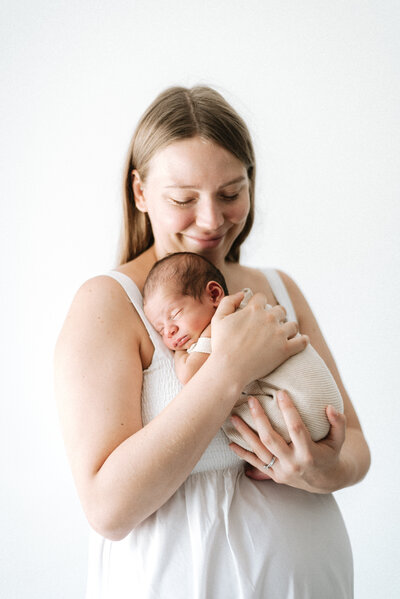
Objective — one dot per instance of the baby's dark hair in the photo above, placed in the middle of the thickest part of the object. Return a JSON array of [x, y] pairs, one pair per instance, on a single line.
[[190, 272]]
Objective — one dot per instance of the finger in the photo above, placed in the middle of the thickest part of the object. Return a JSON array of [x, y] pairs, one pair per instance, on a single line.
[[297, 343], [252, 439], [267, 436], [251, 458], [298, 433], [258, 300], [291, 329], [279, 312], [337, 431], [228, 305]]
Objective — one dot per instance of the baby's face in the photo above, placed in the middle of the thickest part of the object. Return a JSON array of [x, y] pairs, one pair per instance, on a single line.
[[179, 319]]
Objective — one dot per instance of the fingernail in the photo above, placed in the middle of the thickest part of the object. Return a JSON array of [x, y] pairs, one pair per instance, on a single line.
[[251, 402], [281, 395], [334, 412]]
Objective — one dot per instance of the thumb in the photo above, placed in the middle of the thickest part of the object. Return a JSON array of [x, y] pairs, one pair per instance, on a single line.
[[228, 305], [338, 427]]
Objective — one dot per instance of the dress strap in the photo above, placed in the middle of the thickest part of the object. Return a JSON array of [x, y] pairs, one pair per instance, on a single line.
[[280, 292], [132, 291]]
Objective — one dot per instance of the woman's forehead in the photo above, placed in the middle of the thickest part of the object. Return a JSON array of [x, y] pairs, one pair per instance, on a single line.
[[189, 163]]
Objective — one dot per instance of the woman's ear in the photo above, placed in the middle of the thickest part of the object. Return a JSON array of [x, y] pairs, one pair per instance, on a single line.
[[214, 292], [137, 186]]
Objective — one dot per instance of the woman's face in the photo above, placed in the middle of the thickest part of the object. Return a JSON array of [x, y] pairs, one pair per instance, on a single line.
[[196, 195]]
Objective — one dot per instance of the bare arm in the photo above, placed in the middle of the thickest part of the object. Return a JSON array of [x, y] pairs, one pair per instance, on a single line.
[[340, 460], [123, 471], [187, 364], [354, 458]]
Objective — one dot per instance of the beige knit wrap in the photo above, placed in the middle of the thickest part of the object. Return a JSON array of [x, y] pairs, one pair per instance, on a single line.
[[310, 385]]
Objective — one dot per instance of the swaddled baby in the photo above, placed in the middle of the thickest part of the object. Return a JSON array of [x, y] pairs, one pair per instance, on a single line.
[[180, 296]]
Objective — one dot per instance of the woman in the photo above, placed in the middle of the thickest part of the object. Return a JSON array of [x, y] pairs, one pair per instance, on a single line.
[[173, 511]]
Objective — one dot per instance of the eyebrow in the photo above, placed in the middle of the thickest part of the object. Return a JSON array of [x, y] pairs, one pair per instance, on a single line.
[[237, 180]]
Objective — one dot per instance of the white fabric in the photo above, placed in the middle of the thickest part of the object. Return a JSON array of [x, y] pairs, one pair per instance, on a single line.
[[222, 535], [280, 292], [202, 346]]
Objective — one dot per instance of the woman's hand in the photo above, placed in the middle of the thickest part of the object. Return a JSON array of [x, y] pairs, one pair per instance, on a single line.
[[302, 463], [254, 339]]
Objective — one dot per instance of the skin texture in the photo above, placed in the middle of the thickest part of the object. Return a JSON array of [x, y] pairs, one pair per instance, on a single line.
[[123, 471]]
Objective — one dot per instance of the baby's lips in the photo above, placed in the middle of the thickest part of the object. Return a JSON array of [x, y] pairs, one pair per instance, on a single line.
[[181, 341]]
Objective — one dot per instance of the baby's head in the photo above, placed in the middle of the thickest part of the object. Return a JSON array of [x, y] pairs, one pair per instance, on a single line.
[[180, 296]]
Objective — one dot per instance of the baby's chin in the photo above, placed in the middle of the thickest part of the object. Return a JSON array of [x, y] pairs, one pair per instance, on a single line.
[[186, 345]]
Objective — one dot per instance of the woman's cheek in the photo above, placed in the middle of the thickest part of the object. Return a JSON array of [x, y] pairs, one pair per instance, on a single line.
[[239, 213], [176, 222]]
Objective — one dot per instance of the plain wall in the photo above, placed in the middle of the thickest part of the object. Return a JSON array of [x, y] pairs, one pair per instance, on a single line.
[[318, 84]]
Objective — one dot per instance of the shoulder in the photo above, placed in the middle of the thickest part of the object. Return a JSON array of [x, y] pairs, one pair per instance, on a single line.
[[102, 294], [306, 319], [258, 281], [299, 302], [100, 310], [244, 276]]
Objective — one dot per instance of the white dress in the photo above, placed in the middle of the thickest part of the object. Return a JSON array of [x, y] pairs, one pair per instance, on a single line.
[[222, 535]]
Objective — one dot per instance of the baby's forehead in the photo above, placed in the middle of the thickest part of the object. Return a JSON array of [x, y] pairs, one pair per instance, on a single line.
[[166, 288], [162, 295]]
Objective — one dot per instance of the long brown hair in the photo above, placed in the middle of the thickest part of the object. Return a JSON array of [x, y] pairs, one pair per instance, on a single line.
[[182, 113]]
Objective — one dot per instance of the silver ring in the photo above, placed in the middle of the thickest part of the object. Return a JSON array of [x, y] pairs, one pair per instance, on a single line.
[[272, 462]]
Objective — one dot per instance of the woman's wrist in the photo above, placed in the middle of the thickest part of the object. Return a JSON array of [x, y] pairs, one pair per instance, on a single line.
[[222, 367], [344, 473], [329, 480]]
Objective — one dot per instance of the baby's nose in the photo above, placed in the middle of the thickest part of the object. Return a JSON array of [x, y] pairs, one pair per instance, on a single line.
[[171, 330]]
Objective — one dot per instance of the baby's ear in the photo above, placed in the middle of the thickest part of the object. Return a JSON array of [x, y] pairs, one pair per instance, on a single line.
[[214, 292]]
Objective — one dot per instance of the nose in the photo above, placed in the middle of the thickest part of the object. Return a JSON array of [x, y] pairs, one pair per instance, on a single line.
[[209, 215], [170, 330]]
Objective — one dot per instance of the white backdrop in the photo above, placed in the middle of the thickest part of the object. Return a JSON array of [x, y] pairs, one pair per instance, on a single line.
[[318, 83]]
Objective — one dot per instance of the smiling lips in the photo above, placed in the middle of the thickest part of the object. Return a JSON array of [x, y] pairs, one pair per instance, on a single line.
[[207, 242]]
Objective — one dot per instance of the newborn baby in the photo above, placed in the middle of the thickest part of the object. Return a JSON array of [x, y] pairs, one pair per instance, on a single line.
[[180, 296]]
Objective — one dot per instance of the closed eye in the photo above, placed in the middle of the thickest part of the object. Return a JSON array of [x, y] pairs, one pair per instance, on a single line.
[[230, 198], [182, 202]]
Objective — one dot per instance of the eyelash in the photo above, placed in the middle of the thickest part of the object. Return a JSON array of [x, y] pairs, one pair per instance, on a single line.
[[230, 198], [225, 198]]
